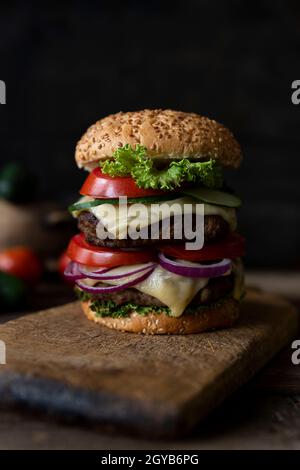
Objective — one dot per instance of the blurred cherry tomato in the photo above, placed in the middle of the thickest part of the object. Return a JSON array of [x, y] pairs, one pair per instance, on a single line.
[[63, 261], [21, 262]]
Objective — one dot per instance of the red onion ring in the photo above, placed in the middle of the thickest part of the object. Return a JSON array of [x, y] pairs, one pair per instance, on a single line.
[[92, 273], [72, 273], [183, 268], [107, 289], [102, 276]]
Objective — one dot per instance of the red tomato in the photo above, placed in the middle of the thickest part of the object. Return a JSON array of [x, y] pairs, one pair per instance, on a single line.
[[232, 247], [79, 250], [101, 186], [21, 262], [63, 262]]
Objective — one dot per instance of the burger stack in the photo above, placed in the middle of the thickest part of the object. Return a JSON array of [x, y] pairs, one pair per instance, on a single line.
[[134, 270]]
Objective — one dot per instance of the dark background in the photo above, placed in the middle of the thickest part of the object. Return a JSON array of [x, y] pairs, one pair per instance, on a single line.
[[68, 65]]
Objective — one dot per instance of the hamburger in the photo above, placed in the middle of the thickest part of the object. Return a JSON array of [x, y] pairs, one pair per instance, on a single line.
[[135, 267]]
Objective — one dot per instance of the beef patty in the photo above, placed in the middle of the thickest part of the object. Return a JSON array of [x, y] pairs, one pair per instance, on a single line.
[[215, 289], [215, 228]]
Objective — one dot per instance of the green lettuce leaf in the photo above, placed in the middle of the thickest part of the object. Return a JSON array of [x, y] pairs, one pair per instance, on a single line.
[[125, 159], [134, 162]]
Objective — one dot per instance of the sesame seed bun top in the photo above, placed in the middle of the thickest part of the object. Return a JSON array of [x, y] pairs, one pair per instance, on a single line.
[[167, 135]]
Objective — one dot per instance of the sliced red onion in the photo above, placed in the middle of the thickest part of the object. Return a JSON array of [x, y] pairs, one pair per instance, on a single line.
[[101, 275], [108, 289], [188, 269], [92, 273], [72, 272]]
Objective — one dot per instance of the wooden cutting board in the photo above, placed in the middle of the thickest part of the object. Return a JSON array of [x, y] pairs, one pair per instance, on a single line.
[[60, 363]]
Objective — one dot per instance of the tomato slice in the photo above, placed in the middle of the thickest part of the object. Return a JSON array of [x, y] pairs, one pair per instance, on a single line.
[[232, 247], [22, 262], [84, 253], [99, 185], [63, 262]]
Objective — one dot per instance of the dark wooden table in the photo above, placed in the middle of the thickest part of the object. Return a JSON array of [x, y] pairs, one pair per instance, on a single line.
[[264, 414]]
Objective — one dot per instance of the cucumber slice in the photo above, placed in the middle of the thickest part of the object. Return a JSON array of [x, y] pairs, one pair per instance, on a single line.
[[213, 196], [80, 206]]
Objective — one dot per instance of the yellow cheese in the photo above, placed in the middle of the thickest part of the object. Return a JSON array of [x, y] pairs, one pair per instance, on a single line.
[[117, 218], [172, 290], [227, 213]]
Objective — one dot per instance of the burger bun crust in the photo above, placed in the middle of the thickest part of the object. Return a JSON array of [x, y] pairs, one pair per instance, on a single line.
[[214, 317], [167, 135]]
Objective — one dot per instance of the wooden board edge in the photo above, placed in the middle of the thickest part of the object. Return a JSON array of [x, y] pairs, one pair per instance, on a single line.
[[193, 417], [50, 398]]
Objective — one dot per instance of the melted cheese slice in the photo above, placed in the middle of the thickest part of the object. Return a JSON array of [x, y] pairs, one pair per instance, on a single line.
[[118, 218], [174, 291], [226, 213]]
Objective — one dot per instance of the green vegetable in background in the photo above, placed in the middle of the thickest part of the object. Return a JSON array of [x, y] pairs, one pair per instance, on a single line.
[[12, 291], [134, 162], [17, 184]]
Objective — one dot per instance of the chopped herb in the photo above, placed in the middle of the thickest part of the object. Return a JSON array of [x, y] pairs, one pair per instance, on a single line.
[[108, 308]]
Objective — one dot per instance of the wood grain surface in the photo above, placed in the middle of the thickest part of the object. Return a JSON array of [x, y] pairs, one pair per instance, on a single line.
[[58, 362]]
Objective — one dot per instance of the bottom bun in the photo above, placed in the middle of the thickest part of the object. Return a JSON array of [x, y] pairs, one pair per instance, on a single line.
[[214, 317]]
